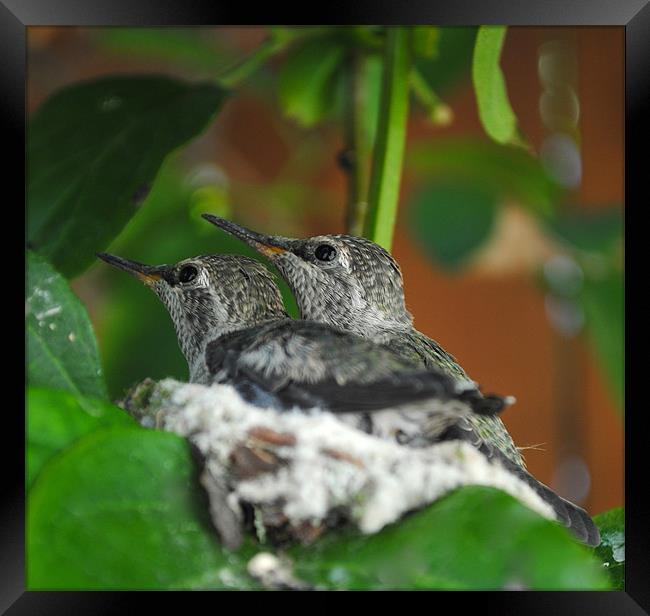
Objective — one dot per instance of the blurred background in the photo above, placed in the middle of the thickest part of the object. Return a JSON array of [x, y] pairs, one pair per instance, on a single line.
[[512, 260]]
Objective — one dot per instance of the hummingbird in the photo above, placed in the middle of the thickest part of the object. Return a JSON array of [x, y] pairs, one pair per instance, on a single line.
[[356, 285], [232, 328]]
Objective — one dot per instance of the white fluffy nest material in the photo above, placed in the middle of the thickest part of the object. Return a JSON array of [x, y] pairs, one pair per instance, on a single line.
[[295, 469]]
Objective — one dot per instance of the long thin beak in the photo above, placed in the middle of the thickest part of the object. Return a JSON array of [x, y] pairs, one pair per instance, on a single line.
[[145, 273], [268, 245]]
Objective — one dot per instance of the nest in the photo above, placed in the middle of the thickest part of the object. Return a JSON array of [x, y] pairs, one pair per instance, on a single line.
[[291, 476]]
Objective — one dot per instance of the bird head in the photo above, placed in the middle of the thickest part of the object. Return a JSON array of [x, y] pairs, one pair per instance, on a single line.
[[208, 295], [347, 281]]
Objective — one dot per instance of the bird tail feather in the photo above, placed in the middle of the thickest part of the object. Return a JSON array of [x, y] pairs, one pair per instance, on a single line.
[[576, 519]]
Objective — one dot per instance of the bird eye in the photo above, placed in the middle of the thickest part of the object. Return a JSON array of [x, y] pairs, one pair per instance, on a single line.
[[325, 252], [188, 273]]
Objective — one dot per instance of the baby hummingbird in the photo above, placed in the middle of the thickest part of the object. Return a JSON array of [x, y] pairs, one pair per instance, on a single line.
[[233, 329], [354, 284]]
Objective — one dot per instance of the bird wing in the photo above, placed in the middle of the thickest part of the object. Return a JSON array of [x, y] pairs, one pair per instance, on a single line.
[[426, 352], [290, 363], [487, 429]]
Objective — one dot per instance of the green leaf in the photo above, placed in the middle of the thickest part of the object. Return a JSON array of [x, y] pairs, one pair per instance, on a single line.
[[452, 219], [121, 509], [93, 151], [603, 303], [453, 60], [476, 538], [56, 419], [510, 172], [611, 550], [587, 230], [308, 78], [61, 346], [494, 108], [195, 48]]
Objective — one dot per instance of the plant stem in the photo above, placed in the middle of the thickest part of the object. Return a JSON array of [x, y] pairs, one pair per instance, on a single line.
[[278, 40], [249, 64], [357, 150], [391, 138], [439, 112]]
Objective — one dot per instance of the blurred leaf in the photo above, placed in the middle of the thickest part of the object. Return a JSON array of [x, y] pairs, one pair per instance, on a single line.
[[121, 509], [588, 230], [137, 338], [196, 48], [211, 200], [452, 219], [94, 149], [477, 538], [56, 419], [611, 550], [425, 41], [61, 347], [508, 171], [603, 303], [134, 321], [308, 78], [494, 108], [453, 60]]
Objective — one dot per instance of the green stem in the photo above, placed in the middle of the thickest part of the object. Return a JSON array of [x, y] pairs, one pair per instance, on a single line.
[[248, 65], [439, 112], [391, 139], [357, 148], [278, 40]]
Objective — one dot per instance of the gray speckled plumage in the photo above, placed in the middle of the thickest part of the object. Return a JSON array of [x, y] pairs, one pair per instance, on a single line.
[[357, 287], [232, 328], [360, 290]]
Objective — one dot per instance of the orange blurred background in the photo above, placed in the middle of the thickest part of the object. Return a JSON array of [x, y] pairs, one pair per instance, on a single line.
[[490, 316]]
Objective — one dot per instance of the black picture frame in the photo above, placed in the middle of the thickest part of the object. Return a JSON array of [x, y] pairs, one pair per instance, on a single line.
[[633, 15]]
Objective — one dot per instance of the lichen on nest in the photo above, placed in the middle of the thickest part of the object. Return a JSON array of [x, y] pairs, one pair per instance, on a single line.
[[301, 472]]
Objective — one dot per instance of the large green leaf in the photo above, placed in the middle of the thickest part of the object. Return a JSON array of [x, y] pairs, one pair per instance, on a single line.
[[61, 347], [94, 149], [308, 80], [56, 419], [494, 108], [510, 172], [452, 219], [476, 538], [603, 302], [611, 550], [121, 509]]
